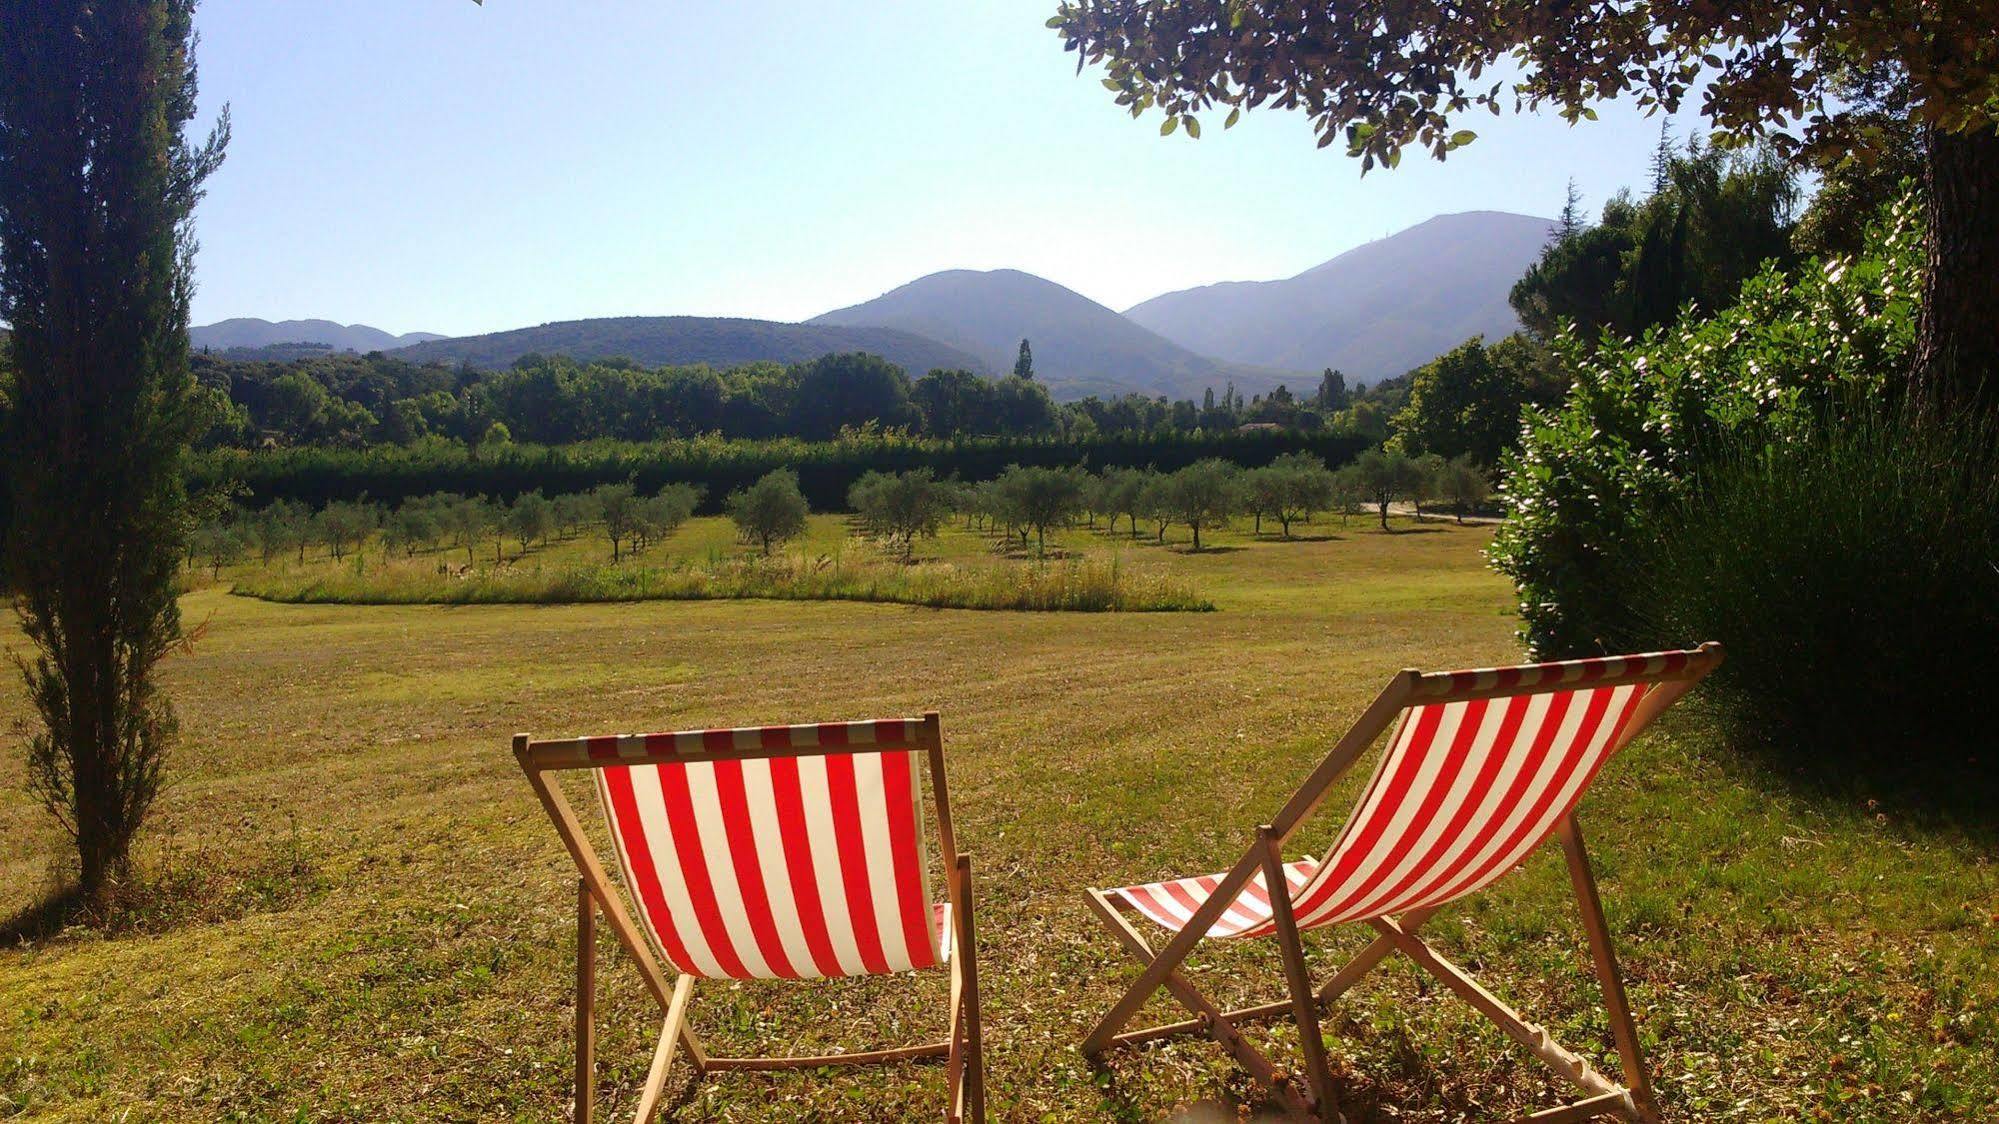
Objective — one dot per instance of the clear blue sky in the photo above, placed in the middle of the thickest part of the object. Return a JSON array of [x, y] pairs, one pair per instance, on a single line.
[[439, 166]]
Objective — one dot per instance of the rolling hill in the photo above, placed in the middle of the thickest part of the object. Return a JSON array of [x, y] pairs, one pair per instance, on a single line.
[[251, 332], [1080, 347], [1373, 312], [719, 341]]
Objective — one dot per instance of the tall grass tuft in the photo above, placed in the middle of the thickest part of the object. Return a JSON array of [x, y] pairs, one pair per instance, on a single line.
[[1853, 574], [1088, 585]]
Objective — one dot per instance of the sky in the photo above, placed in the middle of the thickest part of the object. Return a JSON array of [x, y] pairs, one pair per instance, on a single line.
[[436, 165]]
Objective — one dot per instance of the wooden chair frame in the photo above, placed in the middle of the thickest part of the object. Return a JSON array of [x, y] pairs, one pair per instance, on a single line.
[[1632, 1100], [963, 1047]]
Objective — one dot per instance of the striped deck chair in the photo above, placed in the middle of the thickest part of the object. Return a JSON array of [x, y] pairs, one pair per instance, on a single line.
[[785, 852], [1484, 766]]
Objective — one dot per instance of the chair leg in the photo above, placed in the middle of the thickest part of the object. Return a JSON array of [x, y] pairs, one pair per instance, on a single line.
[[1212, 1019], [1304, 1005], [586, 1002], [1623, 1031], [967, 1084], [662, 1055]]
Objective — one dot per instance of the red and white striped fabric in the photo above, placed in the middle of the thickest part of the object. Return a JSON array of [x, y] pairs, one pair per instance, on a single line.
[[1465, 791], [781, 866]]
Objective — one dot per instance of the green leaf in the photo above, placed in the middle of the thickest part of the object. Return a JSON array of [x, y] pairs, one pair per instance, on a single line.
[[1193, 126], [1112, 84], [1235, 115], [1166, 127], [1462, 137]]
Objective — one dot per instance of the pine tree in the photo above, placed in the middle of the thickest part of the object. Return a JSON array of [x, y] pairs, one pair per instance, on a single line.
[[1662, 156], [1023, 366], [1570, 223], [97, 185]]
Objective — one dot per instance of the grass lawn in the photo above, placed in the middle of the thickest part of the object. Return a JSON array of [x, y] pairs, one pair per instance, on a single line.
[[365, 916]]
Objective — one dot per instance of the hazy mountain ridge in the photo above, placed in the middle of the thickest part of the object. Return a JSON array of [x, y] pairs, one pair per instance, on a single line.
[[715, 340], [252, 332], [1373, 312], [1080, 347]]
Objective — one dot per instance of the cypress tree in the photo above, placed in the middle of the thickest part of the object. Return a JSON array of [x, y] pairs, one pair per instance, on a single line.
[[1023, 365], [97, 187]]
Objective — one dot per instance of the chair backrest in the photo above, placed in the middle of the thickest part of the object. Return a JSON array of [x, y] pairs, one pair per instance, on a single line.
[[1483, 767], [777, 851]]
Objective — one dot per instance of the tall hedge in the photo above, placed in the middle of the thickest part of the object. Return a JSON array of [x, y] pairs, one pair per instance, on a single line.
[[1593, 477], [826, 470]]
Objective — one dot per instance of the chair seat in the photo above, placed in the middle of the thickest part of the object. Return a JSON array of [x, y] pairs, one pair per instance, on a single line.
[[1171, 904]]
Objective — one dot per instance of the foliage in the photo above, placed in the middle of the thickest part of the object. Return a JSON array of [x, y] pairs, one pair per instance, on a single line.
[[97, 190], [1384, 79], [902, 505], [1467, 402], [826, 469], [1711, 225], [1288, 489], [1849, 569], [1387, 475], [1464, 483], [770, 511], [1393, 75], [1035, 499], [1204, 494], [1087, 585], [1593, 475], [838, 392], [1119, 492]]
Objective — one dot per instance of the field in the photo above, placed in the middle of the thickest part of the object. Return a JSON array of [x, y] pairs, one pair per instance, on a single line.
[[360, 914]]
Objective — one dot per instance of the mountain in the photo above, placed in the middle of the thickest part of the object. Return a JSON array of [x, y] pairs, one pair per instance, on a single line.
[[1080, 347], [1373, 312], [248, 331], [719, 341]]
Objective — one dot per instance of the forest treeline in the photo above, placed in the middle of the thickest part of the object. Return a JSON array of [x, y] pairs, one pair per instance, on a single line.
[[345, 400]]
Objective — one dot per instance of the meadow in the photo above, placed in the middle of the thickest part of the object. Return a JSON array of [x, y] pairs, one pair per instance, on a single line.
[[358, 912], [704, 561]]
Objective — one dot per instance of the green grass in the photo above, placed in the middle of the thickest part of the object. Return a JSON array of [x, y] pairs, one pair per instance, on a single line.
[[1101, 578], [1788, 959]]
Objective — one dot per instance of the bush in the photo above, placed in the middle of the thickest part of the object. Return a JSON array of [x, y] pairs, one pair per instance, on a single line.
[[1851, 573], [1592, 477]]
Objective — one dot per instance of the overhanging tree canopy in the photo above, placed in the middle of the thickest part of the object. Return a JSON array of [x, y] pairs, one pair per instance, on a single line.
[[1385, 75]]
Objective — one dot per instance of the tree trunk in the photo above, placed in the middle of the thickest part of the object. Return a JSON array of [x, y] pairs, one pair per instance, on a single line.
[[1957, 331]]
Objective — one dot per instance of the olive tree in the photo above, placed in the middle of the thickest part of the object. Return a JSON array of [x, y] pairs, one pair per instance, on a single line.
[[1464, 483], [1204, 494], [770, 511], [901, 506], [1038, 498]]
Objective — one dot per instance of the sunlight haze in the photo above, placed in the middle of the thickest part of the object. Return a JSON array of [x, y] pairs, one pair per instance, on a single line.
[[447, 167]]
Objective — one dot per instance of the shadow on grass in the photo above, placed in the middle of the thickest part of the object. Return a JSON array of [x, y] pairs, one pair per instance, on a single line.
[[1360, 1102], [1955, 798], [183, 887], [1328, 536], [56, 909]]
